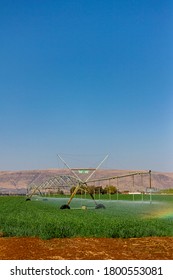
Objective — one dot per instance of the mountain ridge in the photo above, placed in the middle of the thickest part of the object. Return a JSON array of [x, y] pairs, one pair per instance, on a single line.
[[17, 182]]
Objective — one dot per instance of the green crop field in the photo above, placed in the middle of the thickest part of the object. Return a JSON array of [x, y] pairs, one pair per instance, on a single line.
[[125, 216]]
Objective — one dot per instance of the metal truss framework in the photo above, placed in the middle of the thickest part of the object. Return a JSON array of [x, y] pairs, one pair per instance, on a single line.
[[63, 181], [53, 183]]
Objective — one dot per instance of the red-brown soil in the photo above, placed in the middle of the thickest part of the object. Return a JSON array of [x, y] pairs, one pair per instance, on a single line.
[[149, 248]]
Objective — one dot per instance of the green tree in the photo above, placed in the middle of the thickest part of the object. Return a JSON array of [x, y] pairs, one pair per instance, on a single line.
[[110, 189]]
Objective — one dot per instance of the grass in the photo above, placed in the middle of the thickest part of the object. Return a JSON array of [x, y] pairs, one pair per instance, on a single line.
[[121, 218]]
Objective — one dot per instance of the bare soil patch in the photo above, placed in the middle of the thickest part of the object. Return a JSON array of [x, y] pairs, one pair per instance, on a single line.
[[24, 248]]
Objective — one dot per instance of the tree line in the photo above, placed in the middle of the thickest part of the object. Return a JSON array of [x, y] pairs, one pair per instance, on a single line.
[[96, 190]]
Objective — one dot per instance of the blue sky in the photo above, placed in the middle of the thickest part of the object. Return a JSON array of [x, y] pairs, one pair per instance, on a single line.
[[86, 78]]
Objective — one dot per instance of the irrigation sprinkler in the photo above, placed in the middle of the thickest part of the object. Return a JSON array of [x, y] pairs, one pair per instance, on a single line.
[[150, 186], [133, 182], [99, 193], [142, 194], [83, 185]]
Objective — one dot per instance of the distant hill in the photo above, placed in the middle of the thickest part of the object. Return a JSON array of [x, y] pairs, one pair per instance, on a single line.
[[16, 182]]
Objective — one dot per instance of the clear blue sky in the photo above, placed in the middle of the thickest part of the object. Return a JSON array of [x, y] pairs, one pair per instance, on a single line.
[[86, 77]]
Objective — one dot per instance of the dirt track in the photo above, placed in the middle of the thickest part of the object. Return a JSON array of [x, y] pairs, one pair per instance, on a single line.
[[157, 248]]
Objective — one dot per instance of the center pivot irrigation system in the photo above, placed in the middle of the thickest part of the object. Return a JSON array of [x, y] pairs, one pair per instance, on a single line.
[[83, 184]]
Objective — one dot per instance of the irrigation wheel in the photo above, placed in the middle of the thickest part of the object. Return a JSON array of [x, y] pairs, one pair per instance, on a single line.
[[100, 206], [65, 206]]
